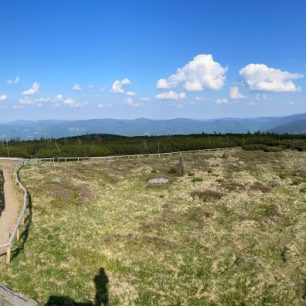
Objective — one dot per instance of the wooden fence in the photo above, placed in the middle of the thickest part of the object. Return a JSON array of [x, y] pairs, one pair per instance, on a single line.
[[137, 156]]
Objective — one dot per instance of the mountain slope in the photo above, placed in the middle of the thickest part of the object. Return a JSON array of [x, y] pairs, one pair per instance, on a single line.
[[295, 127], [143, 126]]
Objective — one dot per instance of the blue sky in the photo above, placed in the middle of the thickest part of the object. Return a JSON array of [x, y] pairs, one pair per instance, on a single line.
[[75, 59]]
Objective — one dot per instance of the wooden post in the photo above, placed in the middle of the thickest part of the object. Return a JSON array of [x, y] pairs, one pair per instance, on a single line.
[[8, 254], [18, 234]]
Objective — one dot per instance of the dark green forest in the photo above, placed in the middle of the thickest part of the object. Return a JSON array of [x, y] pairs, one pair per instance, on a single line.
[[104, 145]]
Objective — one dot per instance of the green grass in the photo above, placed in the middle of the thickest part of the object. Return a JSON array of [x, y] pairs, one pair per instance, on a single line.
[[236, 237]]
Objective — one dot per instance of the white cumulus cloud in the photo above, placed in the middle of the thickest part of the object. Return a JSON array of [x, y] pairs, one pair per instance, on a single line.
[[171, 95], [235, 94], [131, 103], [260, 77], [3, 97], [77, 87], [130, 93], [71, 102], [33, 90], [58, 98], [117, 86], [15, 81], [201, 72]]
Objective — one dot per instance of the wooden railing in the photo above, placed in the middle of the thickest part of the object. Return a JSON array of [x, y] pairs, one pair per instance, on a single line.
[[21, 218], [66, 159]]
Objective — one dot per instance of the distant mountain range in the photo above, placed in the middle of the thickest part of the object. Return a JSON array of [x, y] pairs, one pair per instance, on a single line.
[[294, 124]]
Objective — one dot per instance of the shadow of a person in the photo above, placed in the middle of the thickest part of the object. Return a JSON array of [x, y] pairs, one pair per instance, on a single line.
[[101, 283], [101, 299]]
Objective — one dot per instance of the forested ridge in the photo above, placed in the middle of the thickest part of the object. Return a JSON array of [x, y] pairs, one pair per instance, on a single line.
[[104, 145]]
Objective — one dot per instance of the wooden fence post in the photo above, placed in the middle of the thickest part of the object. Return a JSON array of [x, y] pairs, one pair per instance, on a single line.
[[8, 254]]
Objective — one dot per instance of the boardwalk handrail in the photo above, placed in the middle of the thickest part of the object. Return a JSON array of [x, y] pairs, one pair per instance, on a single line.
[[15, 232]]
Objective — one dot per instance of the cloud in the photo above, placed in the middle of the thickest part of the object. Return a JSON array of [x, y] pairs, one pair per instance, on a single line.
[[221, 101], [235, 94], [32, 91], [163, 84], [171, 95], [71, 102], [201, 72], [3, 97], [130, 103], [29, 100], [76, 87], [15, 81], [130, 93], [58, 98], [117, 86], [259, 77]]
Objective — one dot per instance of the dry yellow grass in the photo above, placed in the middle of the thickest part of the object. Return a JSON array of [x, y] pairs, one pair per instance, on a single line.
[[235, 235]]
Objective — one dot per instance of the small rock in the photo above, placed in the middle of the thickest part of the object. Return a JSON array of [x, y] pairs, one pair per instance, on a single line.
[[158, 181]]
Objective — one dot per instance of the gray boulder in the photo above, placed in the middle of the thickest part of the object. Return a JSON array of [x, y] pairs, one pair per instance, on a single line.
[[158, 181]]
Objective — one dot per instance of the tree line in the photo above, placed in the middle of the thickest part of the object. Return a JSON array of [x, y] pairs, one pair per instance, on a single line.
[[103, 145]]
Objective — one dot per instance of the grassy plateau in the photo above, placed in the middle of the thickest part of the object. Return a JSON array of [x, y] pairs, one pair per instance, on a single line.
[[231, 231]]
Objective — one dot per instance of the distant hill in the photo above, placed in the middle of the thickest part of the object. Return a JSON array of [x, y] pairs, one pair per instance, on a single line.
[[142, 126], [295, 127]]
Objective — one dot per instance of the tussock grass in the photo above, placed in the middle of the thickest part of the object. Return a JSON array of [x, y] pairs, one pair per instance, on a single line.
[[236, 237]]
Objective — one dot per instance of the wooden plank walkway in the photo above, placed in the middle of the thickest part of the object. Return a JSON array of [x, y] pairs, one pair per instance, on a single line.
[[12, 203]]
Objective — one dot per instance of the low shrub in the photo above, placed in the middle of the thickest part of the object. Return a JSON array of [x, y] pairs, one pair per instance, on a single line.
[[179, 169], [207, 195], [197, 179]]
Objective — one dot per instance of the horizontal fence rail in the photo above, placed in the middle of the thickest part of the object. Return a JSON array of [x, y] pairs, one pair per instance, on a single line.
[[93, 158], [15, 232]]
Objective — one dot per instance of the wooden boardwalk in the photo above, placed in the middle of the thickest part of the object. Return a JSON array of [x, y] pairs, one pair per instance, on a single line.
[[12, 203]]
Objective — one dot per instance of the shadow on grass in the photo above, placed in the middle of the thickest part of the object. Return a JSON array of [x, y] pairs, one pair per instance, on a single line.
[[25, 233], [2, 199], [101, 298]]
